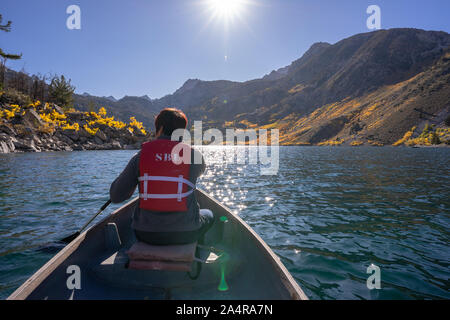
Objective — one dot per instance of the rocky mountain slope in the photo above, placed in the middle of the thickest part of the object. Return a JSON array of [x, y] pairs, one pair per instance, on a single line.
[[369, 88]]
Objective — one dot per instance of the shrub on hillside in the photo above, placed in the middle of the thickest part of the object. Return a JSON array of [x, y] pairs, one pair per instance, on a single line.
[[12, 96], [435, 138]]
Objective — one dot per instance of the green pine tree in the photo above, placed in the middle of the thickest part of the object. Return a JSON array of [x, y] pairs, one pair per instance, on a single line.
[[61, 92]]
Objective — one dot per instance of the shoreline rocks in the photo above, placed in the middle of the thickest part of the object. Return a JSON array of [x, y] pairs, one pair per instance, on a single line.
[[35, 143], [27, 132]]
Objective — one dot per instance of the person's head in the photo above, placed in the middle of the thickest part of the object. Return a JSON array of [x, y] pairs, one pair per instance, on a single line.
[[169, 120]]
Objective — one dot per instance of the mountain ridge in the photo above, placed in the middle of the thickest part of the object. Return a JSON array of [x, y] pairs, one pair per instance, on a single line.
[[353, 68]]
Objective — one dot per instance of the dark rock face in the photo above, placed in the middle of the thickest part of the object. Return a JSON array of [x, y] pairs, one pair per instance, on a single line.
[[33, 118], [101, 136], [7, 129], [357, 127], [98, 141], [72, 134], [328, 130], [26, 146]]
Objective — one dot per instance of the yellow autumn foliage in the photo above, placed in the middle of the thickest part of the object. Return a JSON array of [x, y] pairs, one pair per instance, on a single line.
[[356, 143], [74, 126], [296, 89], [138, 125], [89, 130], [406, 137], [331, 143], [102, 112], [54, 120], [8, 114]]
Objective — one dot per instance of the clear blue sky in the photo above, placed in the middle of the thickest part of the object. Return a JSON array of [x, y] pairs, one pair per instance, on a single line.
[[152, 47]]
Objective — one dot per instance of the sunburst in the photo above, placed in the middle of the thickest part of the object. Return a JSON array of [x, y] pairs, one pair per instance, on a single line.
[[227, 9]]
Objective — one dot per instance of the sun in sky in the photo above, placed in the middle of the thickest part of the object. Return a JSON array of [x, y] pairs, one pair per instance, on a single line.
[[227, 15], [226, 9]]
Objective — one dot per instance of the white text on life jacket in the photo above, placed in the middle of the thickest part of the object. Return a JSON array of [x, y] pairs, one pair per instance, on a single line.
[[163, 157]]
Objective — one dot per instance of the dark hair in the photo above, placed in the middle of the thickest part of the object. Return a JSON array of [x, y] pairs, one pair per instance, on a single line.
[[170, 119]]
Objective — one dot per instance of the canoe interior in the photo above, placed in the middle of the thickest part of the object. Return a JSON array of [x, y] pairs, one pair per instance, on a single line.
[[251, 272]]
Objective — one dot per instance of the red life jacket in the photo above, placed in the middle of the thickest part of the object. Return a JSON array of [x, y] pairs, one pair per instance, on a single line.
[[164, 185]]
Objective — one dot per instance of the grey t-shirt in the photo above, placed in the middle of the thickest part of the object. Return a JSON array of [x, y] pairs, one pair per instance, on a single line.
[[151, 221]]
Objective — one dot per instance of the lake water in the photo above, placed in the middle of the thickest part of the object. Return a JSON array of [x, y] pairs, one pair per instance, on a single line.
[[329, 213]]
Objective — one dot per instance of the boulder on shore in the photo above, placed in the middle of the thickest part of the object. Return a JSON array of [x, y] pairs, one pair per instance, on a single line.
[[26, 145], [7, 129], [32, 117], [72, 134], [101, 135], [6, 144]]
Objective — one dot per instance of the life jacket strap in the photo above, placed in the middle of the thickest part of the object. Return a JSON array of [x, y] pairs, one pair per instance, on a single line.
[[179, 195]]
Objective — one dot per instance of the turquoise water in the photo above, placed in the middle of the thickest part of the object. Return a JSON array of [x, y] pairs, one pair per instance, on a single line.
[[329, 213]]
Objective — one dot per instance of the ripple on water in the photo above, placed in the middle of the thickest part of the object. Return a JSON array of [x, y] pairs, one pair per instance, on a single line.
[[329, 213]]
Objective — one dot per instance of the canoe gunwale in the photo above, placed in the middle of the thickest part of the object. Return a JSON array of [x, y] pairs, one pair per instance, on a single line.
[[32, 283], [39, 276], [287, 279]]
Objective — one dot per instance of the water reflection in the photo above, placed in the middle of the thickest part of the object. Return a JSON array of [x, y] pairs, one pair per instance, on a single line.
[[328, 213]]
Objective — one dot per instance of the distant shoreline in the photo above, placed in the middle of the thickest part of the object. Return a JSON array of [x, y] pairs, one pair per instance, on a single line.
[[134, 148]]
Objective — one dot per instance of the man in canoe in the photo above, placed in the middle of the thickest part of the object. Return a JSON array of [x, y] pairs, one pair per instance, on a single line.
[[168, 212]]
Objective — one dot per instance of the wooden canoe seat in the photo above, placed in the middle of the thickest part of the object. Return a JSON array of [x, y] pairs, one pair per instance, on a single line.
[[171, 258]]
